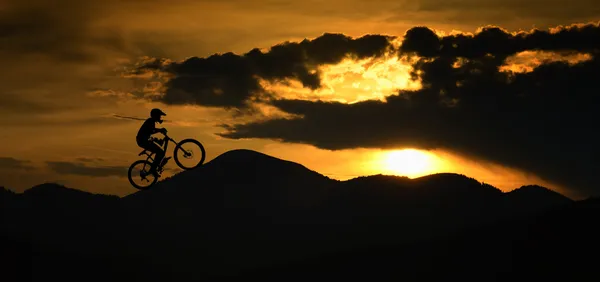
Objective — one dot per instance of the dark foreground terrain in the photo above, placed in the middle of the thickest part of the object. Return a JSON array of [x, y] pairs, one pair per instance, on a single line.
[[247, 215]]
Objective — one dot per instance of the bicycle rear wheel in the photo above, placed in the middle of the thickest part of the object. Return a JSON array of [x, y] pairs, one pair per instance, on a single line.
[[191, 152], [135, 172]]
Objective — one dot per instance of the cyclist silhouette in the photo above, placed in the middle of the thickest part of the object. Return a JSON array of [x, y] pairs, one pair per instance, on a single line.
[[144, 140]]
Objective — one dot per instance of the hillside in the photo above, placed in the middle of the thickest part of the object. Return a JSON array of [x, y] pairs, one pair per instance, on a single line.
[[556, 245], [246, 210]]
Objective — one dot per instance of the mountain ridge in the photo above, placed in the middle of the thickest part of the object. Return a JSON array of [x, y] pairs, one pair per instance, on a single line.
[[247, 210], [241, 156]]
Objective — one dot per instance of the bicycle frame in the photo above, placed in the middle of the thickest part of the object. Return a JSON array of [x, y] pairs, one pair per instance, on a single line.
[[165, 146], [151, 158]]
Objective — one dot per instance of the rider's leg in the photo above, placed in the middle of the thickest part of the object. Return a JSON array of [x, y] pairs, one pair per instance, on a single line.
[[158, 155], [159, 141]]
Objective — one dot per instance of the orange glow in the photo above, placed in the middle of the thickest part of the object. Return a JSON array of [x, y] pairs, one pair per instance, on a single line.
[[412, 163], [409, 162]]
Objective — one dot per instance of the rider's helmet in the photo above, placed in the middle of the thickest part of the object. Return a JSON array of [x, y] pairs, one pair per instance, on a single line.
[[156, 114]]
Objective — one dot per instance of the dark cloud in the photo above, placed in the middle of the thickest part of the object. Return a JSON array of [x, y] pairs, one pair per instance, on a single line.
[[501, 43], [12, 163], [232, 81], [82, 169], [544, 122]]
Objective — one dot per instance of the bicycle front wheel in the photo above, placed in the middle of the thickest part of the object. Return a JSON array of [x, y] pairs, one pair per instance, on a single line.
[[189, 153], [137, 171]]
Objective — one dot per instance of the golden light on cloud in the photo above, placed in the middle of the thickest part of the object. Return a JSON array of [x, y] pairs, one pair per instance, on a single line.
[[352, 81], [527, 61]]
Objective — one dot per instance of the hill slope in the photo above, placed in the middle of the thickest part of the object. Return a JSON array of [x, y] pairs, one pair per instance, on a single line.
[[556, 245], [245, 209]]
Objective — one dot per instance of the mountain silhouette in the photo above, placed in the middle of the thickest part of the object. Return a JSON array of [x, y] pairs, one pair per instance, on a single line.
[[534, 198], [241, 177], [245, 211]]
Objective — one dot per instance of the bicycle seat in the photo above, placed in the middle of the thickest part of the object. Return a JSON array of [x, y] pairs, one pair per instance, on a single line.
[[143, 152]]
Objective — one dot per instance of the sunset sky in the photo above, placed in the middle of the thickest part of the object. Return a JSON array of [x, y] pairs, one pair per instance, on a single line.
[[346, 88]]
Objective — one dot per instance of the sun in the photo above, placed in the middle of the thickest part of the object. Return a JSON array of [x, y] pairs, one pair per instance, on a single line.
[[409, 162]]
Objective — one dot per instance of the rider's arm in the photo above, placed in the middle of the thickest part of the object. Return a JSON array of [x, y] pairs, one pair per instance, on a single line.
[[157, 130]]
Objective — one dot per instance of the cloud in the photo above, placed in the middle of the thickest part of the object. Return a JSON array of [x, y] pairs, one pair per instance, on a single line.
[[74, 122], [512, 14], [59, 29], [542, 121], [53, 51], [82, 169], [233, 81], [89, 159], [536, 9], [10, 104], [500, 43], [12, 164]]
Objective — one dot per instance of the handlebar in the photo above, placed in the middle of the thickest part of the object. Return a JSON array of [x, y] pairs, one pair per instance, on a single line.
[[166, 138]]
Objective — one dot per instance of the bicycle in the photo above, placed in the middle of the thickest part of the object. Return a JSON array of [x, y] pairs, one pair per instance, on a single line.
[[147, 163]]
